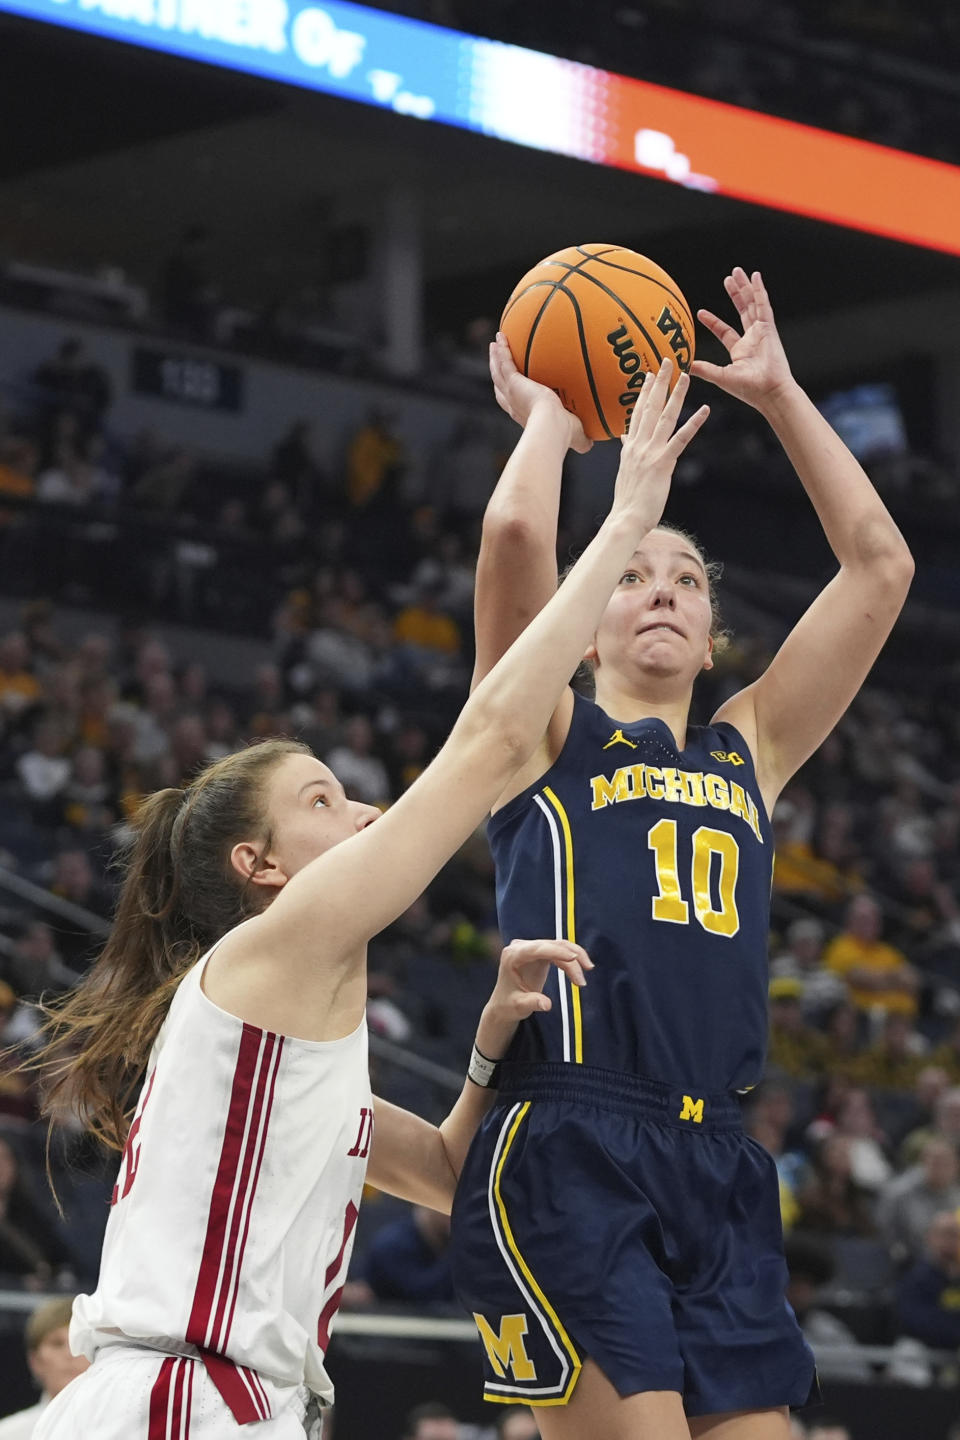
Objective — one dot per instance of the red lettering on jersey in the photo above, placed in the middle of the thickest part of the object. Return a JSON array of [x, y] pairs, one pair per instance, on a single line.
[[130, 1161], [364, 1134], [332, 1303]]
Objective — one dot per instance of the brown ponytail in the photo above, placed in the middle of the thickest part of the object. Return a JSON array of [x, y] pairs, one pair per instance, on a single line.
[[180, 893]]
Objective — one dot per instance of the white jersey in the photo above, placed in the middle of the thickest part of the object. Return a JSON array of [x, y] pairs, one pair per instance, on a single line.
[[233, 1215]]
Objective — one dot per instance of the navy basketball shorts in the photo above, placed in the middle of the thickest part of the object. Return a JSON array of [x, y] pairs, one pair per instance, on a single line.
[[600, 1215]]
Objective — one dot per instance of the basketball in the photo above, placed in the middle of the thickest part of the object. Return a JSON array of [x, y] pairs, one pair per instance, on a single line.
[[590, 322]]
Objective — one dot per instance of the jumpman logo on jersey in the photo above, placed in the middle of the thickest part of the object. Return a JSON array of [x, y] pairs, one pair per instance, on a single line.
[[618, 738]]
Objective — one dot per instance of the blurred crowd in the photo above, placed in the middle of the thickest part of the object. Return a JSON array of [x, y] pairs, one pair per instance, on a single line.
[[365, 602]]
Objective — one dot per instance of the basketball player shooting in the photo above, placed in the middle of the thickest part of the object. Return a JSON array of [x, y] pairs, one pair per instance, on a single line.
[[616, 1236]]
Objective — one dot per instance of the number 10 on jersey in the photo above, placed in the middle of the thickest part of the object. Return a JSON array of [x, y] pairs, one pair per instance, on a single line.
[[669, 905]]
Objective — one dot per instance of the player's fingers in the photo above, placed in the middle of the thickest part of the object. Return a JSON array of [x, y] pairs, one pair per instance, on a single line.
[[764, 309], [704, 370], [505, 355], [671, 411], [685, 434], [741, 293], [650, 405], [725, 333], [530, 1002]]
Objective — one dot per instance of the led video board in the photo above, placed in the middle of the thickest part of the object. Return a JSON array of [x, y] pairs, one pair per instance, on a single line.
[[539, 100]]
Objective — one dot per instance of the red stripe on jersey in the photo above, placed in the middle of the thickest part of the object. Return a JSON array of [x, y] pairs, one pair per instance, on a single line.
[[160, 1402], [256, 1385], [249, 1197], [244, 1075], [242, 1196], [326, 1319], [176, 1426], [233, 1391], [189, 1411], [350, 1219], [259, 1387]]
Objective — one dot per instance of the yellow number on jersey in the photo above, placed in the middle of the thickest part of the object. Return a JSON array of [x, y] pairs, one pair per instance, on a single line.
[[669, 904]]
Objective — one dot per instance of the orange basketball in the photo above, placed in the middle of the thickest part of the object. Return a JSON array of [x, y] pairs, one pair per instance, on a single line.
[[590, 322]]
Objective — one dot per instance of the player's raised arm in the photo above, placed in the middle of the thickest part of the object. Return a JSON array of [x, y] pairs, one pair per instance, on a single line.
[[339, 900], [517, 565], [821, 665]]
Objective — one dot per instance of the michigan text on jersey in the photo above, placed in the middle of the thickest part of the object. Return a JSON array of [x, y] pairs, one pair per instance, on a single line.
[[677, 787]]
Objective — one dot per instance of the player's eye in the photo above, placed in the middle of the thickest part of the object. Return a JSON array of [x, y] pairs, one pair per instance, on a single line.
[[629, 575], [690, 580], [321, 800]]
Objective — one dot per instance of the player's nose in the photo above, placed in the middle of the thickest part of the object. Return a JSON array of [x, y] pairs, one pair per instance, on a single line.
[[365, 815]]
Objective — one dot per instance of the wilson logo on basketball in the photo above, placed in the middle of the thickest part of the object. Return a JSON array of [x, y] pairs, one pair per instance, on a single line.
[[621, 342], [668, 324]]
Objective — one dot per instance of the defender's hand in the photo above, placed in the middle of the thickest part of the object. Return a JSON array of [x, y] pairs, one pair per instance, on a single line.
[[519, 396], [524, 967], [652, 446], [758, 366]]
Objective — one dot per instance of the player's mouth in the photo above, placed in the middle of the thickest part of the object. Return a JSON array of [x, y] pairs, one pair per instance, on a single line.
[[660, 625]]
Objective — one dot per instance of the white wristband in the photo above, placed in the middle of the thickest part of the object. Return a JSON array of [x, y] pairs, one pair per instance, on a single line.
[[481, 1070]]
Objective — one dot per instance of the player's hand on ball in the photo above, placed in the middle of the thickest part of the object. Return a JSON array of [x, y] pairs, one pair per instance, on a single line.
[[653, 445], [758, 366], [518, 396], [524, 967]]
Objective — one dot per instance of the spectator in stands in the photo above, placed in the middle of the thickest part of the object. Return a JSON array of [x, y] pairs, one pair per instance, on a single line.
[[89, 798], [51, 1362], [408, 1259], [928, 1295], [361, 772], [374, 463], [908, 1202], [423, 630], [811, 1267], [36, 965], [947, 1054], [842, 1029], [517, 1423], [19, 687], [73, 878], [894, 1062], [801, 960], [431, 1421], [830, 1201], [946, 1126], [44, 770], [75, 384], [30, 1248], [163, 487], [187, 295], [18, 468], [794, 1047], [879, 977], [266, 706], [870, 1165]]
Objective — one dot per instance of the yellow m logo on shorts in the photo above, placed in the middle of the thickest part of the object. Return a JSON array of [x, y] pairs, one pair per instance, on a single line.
[[506, 1350], [692, 1110]]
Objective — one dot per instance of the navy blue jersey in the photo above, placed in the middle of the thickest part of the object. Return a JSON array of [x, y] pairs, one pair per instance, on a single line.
[[659, 862]]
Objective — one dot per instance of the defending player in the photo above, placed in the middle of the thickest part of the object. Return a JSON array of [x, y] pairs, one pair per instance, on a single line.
[[616, 1235], [235, 1203]]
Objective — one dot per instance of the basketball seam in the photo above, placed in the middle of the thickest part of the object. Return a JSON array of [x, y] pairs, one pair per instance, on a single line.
[[533, 285], [627, 311], [586, 359], [643, 275]]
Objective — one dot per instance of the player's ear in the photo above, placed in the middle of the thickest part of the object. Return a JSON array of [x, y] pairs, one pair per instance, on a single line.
[[591, 655], [257, 869], [708, 661]]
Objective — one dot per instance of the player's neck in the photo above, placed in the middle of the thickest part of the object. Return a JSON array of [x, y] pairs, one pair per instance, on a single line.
[[627, 706]]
